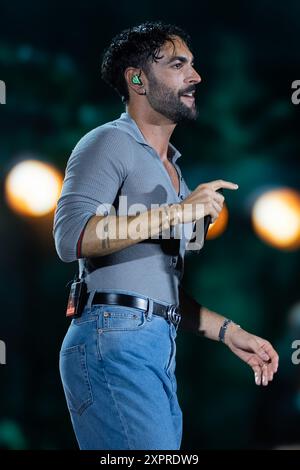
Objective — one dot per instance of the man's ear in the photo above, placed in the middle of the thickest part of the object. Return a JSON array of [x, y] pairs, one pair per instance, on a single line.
[[134, 79]]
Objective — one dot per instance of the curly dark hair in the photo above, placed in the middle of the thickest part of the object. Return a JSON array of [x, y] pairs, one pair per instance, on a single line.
[[137, 46]]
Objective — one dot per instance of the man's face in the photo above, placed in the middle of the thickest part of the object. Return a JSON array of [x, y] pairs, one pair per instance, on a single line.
[[170, 79]]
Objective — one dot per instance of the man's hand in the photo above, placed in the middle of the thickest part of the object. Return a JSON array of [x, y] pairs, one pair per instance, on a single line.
[[257, 352], [205, 195]]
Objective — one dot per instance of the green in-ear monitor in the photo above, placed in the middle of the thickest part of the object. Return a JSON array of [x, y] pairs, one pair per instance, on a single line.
[[136, 80]]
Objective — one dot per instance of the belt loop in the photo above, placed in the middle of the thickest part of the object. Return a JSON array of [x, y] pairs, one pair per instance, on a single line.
[[150, 309], [90, 299]]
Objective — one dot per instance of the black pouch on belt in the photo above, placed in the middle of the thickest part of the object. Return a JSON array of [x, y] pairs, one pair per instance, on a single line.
[[77, 298]]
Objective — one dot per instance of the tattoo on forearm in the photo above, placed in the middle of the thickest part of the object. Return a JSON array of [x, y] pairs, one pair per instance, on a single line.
[[105, 241]]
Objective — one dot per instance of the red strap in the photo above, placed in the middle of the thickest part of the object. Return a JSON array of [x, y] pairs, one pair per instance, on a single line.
[[78, 248]]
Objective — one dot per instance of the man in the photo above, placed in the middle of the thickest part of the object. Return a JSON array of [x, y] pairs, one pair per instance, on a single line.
[[117, 361]]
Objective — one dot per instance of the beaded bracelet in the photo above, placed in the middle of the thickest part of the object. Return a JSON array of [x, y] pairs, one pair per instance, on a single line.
[[224, 328]]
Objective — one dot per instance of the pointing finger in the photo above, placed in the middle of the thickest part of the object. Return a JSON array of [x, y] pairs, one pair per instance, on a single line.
[[215, 185]]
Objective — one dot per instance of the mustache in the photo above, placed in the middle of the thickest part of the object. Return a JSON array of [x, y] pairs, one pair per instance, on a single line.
[[188, 90]]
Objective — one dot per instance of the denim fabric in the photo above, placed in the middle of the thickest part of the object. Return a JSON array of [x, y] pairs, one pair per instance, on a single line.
[[117, 366]]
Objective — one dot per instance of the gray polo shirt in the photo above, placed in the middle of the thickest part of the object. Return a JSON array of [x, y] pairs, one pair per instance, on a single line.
[[110, 161]]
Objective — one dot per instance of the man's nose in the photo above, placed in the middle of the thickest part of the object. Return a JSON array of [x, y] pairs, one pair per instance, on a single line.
[[194, 77]]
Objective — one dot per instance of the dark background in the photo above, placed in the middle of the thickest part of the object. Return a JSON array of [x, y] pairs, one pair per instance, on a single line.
[[248, 132]]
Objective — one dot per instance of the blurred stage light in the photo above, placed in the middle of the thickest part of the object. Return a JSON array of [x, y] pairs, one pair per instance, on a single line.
[[276, 218], [32, 188], [219, 226], [294, 316]]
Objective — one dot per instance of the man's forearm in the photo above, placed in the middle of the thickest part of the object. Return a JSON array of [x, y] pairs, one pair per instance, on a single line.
[[198, 319], [210, 323], [105, 235]]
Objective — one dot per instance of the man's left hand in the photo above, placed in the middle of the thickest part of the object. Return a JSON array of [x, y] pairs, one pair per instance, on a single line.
[[257, 352]]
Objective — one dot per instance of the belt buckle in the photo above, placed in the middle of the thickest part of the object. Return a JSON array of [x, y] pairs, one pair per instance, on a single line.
[[173, 314]]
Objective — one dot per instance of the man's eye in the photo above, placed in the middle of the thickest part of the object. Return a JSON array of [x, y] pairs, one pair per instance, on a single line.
[[177, 66]]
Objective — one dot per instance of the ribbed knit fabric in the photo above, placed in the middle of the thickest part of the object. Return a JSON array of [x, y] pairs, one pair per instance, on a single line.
[[110, 161]]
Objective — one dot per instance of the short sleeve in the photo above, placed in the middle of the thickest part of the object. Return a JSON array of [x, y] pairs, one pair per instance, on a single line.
[[96, 169]]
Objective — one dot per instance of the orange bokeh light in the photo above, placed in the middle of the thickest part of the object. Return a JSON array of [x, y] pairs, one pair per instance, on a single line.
[[276, 218], [219, 226], [32, 188]]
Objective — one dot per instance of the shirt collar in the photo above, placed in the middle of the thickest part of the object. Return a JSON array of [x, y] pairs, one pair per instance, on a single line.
[[128, 124]]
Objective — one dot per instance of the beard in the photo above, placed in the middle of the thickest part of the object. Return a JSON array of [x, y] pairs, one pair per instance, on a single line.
[[168, 103]]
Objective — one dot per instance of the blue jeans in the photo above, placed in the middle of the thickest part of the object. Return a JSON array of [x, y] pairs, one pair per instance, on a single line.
[[117, 366]]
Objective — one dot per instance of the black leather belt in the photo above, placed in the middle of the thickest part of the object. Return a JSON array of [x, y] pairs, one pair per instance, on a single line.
[[169, 312]]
